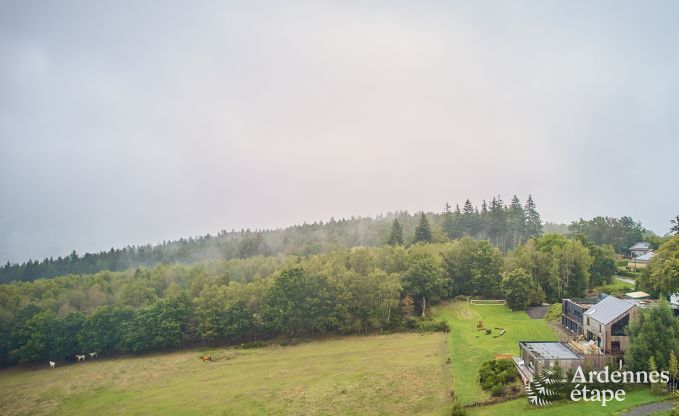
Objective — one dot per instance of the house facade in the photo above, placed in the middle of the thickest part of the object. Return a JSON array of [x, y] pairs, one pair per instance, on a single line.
[[606, 324], [639, 249], [573, 313]]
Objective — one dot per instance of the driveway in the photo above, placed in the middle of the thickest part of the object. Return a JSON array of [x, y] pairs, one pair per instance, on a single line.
[[649, 409]]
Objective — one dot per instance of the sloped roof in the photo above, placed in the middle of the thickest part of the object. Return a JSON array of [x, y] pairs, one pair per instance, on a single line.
[[609, 309], [645, 257], [641, 245]]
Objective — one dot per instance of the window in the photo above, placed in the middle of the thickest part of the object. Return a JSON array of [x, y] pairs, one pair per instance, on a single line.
[[588, 320]]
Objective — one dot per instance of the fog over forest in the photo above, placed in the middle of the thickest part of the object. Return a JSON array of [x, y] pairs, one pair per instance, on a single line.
[[125, 124]]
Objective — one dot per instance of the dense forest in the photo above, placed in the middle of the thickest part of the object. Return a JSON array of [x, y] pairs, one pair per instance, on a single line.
[[503, 225], [356, 290]]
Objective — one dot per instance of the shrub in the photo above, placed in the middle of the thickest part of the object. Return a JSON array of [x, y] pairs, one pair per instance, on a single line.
[[497, 390], [429, 325], [553, 313], [496, 373], [458, 410]]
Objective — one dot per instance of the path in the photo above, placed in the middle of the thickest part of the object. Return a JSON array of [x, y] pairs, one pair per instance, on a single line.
[[537, 312], [648, 409], [626, 280]]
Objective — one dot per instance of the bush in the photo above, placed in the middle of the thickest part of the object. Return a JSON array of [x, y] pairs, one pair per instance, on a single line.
[[554, 312], [497, 390], [458, 410], [429, 325], [496, 374]]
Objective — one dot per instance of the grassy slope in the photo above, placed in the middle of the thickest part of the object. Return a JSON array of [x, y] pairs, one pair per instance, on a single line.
[[468, 352], [373, 375], [521, 407]]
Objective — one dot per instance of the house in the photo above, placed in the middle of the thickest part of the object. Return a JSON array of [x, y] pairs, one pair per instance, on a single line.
[[639, 249], [641, 261], [606, 322], [538, 355], [572, 313]]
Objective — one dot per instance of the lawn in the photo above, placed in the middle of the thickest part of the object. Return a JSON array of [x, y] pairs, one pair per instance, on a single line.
[[468, 352], [362, 375], [521, 407]]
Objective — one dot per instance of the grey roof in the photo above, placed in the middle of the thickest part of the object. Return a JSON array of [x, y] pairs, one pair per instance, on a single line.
[[550, 350], [644, 257], [609, 309], [641, 245]]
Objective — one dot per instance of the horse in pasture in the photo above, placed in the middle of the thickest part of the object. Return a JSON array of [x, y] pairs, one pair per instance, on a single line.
[[80, 357], [93, 355], [206, 358], [52, 364]]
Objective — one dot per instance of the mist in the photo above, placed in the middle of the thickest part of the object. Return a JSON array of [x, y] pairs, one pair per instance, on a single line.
[[129, 123]]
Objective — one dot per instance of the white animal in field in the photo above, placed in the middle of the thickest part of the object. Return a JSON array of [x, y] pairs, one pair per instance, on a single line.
[[80, 357], [93, 354], [52, 364]]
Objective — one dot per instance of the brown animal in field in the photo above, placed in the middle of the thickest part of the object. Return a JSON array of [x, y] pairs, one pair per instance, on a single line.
[[206, 358]]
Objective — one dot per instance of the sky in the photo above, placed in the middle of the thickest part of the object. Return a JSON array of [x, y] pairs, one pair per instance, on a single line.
[[132, 122]]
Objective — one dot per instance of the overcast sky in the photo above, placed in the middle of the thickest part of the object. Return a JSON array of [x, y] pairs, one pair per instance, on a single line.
[[128, 122]]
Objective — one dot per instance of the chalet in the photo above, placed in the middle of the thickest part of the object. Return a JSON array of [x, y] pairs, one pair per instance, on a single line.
[[572, 313], [641, 261], [639, 249], [605, 324]]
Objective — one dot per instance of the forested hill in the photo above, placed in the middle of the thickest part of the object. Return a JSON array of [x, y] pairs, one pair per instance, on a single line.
[[503, 224]]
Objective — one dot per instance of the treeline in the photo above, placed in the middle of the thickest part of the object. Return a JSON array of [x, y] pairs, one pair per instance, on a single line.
[[355, 290], [504, 225], [621, 233]]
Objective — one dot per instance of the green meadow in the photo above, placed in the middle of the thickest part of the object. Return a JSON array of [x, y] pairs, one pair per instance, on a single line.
[[469, 348]]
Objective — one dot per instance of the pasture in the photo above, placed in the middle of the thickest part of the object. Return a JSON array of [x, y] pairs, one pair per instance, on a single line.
[[360, 375]]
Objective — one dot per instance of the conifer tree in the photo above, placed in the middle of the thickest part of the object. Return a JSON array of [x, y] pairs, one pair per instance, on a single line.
[[449, 224], [516, 221], [533, 222], [423, 230], [396, 236]]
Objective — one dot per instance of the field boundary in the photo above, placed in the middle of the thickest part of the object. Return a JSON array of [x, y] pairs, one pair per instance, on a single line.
[[487, 301]]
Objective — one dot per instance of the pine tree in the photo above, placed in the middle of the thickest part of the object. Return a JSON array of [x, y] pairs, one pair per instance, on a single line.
[[396, 237], [449, 224], [423, 230], [516, 221], [467, 219], [533, 222]]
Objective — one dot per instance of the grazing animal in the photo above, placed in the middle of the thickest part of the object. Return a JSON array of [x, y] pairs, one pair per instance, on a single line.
[[80, 357], [206, 358], [93, 354], [52, 364]]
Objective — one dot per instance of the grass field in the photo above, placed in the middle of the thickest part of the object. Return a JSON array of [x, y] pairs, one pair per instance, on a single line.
[[360, 375], [467, 352], [371, 375], [521, 407]]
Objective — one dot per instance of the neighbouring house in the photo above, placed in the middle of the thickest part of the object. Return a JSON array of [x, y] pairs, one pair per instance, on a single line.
[[573, 310], [641, 261], [639, 249], [538, 355], [606, 322]]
